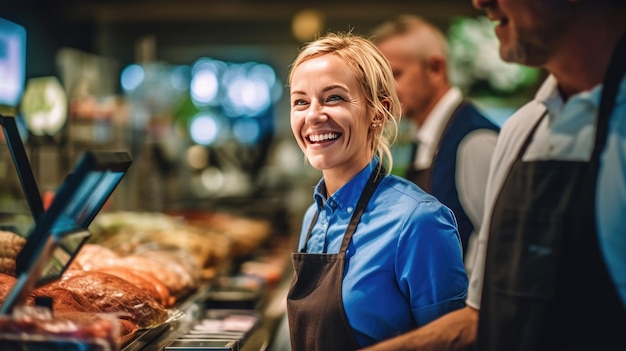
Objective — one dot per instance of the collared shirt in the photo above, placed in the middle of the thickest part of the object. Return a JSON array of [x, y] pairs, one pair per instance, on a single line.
[[429, 133], [473, 159], [567, 134], [404, 266]]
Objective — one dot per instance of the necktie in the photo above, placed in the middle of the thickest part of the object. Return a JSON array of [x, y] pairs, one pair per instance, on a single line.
[[414, 147]]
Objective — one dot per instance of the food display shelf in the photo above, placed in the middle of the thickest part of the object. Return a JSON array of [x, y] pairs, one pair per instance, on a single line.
[[223, 311]]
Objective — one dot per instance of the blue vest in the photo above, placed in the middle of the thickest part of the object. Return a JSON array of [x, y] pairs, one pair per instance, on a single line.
[[439, 179]]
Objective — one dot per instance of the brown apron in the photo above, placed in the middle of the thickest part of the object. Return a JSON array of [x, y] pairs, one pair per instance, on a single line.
[[546, 284], [317, 320]]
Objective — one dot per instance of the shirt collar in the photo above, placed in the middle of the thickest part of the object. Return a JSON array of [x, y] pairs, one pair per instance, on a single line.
[[548, 94], [430, 131], [548, 91], [348, 195]]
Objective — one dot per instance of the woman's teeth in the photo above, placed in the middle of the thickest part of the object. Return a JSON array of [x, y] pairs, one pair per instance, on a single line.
[[323, 137]]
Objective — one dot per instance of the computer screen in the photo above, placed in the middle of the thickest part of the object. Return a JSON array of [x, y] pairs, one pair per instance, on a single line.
[[12, 62], [77, 201], [62, 229], [70, 228], [86, 201]]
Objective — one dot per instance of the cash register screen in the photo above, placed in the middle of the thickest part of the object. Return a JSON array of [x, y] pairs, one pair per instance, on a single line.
[[79, 199], [70, 229], [86, 201]]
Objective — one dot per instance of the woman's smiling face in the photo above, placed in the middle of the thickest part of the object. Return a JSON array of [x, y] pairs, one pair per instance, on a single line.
[[329, 116]]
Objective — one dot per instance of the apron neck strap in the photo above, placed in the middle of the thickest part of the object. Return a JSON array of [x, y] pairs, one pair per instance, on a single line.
[[610, 89], [371, 185]]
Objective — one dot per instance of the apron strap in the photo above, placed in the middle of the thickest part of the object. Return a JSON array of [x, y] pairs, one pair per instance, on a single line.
[[610, 89], [308, 235], [370, 186]]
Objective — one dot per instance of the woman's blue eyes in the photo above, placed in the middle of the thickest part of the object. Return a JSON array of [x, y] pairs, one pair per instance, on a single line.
[[328, 99], [334, 98]]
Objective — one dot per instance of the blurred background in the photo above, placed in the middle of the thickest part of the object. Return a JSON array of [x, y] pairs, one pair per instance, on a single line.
[[196, 92]]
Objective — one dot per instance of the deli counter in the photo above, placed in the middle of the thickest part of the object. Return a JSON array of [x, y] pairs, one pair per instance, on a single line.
[[229, 304], [84, 278]]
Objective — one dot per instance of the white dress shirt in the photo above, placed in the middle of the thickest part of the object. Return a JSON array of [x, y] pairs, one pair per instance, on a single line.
[[473, 160]]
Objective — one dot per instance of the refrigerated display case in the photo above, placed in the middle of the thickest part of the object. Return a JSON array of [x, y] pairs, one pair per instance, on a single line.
[[230, 303]]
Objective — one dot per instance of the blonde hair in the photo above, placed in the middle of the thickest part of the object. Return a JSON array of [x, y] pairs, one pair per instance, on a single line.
[[374, 73]]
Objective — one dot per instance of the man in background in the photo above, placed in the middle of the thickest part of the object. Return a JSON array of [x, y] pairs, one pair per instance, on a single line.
[[550, 269], [454, 141]]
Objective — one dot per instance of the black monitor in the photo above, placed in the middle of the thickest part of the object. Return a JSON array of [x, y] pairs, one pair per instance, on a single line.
[[60, 232], [22, 165]]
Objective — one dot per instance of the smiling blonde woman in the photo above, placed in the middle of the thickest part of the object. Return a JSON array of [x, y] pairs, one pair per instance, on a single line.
[[377, 256]]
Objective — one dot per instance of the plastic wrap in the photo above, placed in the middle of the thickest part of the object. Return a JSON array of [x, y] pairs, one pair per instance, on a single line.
[[35, 328]]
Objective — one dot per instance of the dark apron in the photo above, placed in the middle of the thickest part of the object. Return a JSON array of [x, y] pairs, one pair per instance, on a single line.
[[317, 320], [546, 284]]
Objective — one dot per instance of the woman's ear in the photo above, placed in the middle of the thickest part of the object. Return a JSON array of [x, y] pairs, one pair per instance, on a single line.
[[386, 104], [386, 107]]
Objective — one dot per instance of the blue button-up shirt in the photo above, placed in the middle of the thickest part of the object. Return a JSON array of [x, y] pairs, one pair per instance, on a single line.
[[404, 265]]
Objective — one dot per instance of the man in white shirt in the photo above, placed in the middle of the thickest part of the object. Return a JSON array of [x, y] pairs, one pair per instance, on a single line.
[[550, 269], [454, 140]]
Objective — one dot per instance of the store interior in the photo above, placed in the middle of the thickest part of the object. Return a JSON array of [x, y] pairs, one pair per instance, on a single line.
[[124, 73], [195, 92]]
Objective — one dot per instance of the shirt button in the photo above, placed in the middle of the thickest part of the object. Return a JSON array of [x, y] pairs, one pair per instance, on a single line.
[[349, 209]]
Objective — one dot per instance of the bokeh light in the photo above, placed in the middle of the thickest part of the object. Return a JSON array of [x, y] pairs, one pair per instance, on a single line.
[[132, 77], [204, 129], [247, 131]]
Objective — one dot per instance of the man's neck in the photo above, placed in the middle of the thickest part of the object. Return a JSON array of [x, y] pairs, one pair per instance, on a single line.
[[420, 119], [585, 59]]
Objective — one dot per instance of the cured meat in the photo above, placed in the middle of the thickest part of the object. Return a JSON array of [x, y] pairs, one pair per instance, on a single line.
[[123, 331], [246, 234], [6, 284], [67, 305], [93, 256], [116, 295], [178, 261], [176, 284], [88, 331], [64, 300], [10, 246], [128, 330], [144, 280]]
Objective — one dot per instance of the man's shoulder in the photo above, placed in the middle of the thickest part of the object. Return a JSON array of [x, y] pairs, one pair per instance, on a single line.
[[524, 118], [467, 107], [468, 113], [516, 128]]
